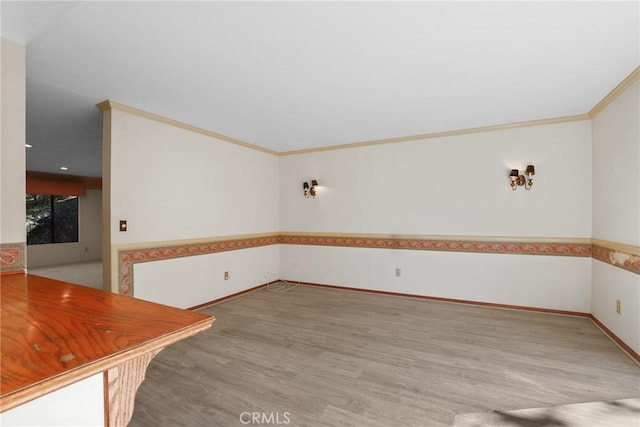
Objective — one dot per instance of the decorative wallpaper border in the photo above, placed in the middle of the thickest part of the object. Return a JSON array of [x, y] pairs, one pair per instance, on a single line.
[[617, 258], [127, 258], [625, 257], [480, 244], [12, 258]]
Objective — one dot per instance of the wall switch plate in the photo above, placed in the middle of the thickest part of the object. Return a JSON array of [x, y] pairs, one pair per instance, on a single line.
[[123, 225], [618, 306], [226, 275], [398, 272]]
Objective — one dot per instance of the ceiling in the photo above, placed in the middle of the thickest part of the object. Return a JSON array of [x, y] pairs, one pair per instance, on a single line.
[[296, 75]]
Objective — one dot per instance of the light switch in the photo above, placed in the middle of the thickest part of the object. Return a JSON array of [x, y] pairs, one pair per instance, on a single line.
[[123, 225]]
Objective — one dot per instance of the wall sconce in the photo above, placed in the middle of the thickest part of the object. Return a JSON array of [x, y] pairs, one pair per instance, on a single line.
[[525, 180], [310, 191]]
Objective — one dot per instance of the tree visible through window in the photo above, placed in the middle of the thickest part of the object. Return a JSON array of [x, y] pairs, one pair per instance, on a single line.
[[51, 219]]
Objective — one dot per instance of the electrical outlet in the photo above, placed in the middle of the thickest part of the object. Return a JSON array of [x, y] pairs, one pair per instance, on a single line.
[[398, 272], [226, 275], [618, 306]]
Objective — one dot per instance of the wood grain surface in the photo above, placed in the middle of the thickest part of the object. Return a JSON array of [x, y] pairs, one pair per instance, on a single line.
[[123, 382], [54, 333], [328, 357]]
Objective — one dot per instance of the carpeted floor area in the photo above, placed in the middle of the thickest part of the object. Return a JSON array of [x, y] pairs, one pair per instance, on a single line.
[[82, 273]]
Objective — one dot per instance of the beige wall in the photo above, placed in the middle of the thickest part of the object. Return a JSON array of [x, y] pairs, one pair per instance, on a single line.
[[12, 153]]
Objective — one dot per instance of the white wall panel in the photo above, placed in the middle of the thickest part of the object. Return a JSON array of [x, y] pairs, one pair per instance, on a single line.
[[610, 284], [190, 281], [78, 405], [561, 283]]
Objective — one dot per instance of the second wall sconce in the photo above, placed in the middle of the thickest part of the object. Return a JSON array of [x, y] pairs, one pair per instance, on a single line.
[[310, 191], [518, 180]]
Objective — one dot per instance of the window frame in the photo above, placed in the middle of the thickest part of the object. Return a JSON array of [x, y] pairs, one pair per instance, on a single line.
[[51, 222]]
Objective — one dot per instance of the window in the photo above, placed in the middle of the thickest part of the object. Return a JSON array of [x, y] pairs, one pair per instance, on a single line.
[[51, 219]]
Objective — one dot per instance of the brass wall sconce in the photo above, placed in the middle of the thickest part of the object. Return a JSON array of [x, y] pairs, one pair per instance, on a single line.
[[518, 180], [310, 191]]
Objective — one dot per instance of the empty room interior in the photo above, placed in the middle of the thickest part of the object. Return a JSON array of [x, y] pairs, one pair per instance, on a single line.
[[320, 213]]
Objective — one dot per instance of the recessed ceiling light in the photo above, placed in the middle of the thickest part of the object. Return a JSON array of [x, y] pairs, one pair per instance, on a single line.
[[28, 145], [64, 168]]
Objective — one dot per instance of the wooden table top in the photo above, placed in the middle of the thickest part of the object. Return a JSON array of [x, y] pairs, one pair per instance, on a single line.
[[55, 333]]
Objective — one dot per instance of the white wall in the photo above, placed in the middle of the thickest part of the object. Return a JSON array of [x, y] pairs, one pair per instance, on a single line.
[[174, 184], [611, 283], [170, 183], [12, 150], [77, 405], [455, 185], [89, 245], [616, 170], [616, 211], [532, 281], [203, 276]]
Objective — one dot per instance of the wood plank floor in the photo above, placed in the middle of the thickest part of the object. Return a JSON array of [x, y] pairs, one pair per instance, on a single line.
[[326, 357]]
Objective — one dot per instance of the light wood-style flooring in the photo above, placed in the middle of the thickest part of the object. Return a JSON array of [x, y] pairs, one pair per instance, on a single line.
[[325, 357]]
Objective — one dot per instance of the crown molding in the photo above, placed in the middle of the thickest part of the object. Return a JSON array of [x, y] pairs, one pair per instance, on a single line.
[[111, 105], [615, 92], [506, 126]]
